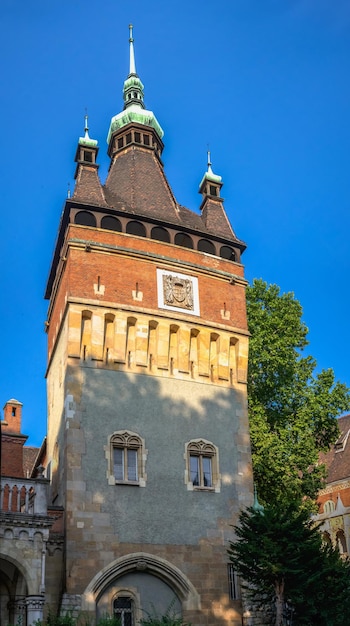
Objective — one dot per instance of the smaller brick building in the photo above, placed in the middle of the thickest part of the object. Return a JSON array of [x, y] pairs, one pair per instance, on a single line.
[[30, 534], [334, 499]]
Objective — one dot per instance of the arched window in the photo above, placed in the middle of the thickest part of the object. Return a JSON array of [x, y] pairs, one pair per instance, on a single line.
[[123, 609], [204, 245], [111, 223], [136, 228], [329, 506], [84, 218], [341, 542], [326, 538], [126, 459], [161, 234], [202, 465], [181, 239], [227, 253]]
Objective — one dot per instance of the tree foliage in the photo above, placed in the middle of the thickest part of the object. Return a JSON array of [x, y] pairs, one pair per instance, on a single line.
[[292, 409], [280, 555]]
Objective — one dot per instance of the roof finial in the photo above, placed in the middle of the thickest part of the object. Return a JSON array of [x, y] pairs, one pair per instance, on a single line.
[[86, 128], [132, 53], [257, 506], [86, 140], [209, 162]]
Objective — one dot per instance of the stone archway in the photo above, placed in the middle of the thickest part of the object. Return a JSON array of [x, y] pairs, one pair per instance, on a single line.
[[13, 592], [134, 573]]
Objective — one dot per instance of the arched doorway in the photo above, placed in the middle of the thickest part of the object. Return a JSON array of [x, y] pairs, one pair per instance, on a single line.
[[13, 593], [138, 585]]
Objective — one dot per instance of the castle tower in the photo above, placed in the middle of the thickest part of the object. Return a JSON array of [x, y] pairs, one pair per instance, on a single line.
[[148, 441]]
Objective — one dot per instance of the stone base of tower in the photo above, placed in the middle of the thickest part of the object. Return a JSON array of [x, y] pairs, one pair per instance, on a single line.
[[190, 581]]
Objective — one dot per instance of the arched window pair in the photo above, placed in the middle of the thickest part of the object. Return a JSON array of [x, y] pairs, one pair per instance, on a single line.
[[126, 456]]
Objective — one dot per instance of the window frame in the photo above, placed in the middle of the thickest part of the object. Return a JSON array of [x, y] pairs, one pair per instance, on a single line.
[[123, 611], [202, 450], [126, 441], [234, 583]]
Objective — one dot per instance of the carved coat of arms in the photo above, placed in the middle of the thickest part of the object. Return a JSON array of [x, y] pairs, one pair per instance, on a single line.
[[178, 291]]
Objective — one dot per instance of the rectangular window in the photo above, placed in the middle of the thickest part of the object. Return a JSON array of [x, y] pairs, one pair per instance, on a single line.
[[125, 464], [201, 471], [123, 611], [234, 588], [207, 473], [194, 469], [87, 156]]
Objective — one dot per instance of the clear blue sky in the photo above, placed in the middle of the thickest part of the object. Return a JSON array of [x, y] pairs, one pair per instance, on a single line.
[[264, 82]]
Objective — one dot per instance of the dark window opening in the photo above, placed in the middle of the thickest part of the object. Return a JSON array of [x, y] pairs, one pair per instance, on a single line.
[[136, 228], [120, 142], [87, 156], [146, 140], [137, 137], [204, 245], [13, 411], [161, 234], [123, 610], [227, 253], [213, 190], [84, 218], [111, 223], [181, 239], [128, 138], [234, 589]]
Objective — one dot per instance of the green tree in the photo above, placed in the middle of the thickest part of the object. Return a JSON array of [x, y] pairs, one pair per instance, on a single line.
[[292, 409], [280, 556]]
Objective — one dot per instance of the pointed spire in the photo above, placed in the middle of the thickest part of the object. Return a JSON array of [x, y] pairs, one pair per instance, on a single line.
[[256, 505], [132, 53], [86, 141], [133, 87], [211, 183], [134, 110], [210, 171]]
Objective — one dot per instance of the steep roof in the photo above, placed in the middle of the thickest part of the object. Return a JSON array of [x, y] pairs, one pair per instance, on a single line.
[[337, 459]]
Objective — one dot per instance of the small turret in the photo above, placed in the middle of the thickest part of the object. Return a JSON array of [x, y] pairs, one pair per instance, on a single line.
[[212, 207], [87, 186]]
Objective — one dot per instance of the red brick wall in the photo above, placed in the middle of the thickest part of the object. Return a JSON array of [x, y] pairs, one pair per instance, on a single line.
[[12, 455], [83, 268]]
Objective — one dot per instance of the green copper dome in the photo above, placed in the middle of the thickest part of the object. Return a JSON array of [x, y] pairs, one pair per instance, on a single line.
[[210, 176], [86, 140]]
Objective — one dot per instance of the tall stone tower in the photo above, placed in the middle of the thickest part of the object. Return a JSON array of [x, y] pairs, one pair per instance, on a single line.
[[148, 441]]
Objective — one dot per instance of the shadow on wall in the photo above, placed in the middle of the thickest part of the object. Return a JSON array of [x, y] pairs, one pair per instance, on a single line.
[[127, 438]]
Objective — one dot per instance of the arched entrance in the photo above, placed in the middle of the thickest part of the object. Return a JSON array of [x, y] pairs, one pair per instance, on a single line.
[[138, 585], [13, 593]]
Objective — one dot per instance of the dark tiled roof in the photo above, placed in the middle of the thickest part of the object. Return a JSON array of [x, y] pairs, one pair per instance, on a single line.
[[137, 178], [337, 459], [136, 183], [29, 455], [88, 187], [215, 219]]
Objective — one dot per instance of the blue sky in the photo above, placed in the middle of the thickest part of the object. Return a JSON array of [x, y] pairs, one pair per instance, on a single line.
[[264, 83]]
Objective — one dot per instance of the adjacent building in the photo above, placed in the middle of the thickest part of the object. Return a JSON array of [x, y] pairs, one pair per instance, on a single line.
[[334, 499]]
